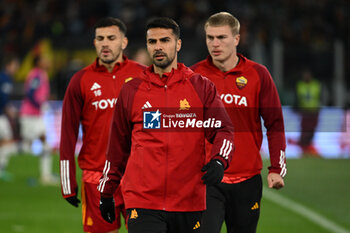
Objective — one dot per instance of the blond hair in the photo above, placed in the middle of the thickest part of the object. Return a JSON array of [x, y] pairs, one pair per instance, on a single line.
[[223, 19]]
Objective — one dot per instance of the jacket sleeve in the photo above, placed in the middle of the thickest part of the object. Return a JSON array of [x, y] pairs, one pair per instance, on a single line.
[[221, 137], [71, 114], [119, 145], [271, 113]]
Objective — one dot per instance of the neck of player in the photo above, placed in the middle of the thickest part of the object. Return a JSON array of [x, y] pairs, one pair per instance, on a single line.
[[161, 70], [228, 64], [110, 66]]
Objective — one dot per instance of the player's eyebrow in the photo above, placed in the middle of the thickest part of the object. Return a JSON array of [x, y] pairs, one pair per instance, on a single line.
[[163, 39]]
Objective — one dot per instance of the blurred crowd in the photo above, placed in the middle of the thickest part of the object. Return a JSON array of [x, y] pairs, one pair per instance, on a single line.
[[307, 29]]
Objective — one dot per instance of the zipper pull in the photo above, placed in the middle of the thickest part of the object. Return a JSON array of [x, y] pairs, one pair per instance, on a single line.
[[165, 86], [113, 76]]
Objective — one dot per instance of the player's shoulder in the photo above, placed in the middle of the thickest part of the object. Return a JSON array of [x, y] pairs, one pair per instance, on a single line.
[[199, 65], [76, 80], [199, 80], [130, 87], [136, 65], [130, 70], [77, 76], [250, 64], [132, 83], [260, 71], [89, 70]]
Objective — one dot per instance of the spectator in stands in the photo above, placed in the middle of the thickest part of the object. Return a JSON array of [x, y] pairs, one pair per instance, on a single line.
[[7, 145], [308, 94], [37, 91]]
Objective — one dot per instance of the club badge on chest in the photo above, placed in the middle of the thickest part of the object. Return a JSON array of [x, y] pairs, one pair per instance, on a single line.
[[241, 82]]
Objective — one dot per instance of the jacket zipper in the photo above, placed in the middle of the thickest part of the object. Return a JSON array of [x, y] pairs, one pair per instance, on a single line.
[[166, 153]]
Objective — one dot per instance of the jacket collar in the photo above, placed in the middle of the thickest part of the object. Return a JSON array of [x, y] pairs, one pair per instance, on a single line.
[[237, 69], [100, 68], [175, 75]]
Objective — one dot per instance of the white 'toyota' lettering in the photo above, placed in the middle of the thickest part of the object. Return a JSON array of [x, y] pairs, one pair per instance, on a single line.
[[104, 103], [236, 99]]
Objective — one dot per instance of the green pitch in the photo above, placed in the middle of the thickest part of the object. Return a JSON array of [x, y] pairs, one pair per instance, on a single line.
[[322, 186]]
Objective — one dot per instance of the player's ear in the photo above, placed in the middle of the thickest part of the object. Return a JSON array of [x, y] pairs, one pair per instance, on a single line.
[[125, 42], [178, 45], [237, 38]]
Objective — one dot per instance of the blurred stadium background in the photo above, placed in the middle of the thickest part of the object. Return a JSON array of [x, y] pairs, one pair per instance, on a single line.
[[284, 35]]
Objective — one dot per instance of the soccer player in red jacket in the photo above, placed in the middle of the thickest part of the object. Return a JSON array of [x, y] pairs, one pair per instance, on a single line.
[[157, 141], [90, 101], [249, 94]]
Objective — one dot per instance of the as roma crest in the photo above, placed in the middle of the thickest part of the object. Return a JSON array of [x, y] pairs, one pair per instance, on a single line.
[[241, 82], [184, 104]]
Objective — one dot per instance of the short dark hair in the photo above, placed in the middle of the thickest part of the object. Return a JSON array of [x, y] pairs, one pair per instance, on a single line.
[[110, 21], [164, 22]]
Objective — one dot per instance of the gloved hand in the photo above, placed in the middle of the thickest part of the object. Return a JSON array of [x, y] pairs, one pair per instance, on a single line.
[[107, 208], [214, 172], [73, 200]]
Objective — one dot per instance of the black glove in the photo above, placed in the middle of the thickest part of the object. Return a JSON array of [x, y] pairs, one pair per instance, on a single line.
[[214, 172], [107, 209], [74, 200]]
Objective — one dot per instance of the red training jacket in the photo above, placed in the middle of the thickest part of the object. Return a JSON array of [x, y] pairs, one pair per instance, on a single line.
[[90, 100], [249, 93], [163, 170]]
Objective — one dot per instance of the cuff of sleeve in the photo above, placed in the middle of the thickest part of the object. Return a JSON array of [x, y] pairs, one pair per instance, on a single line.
[[69, 195], [106, 195], [277, 171], [222, 160]]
